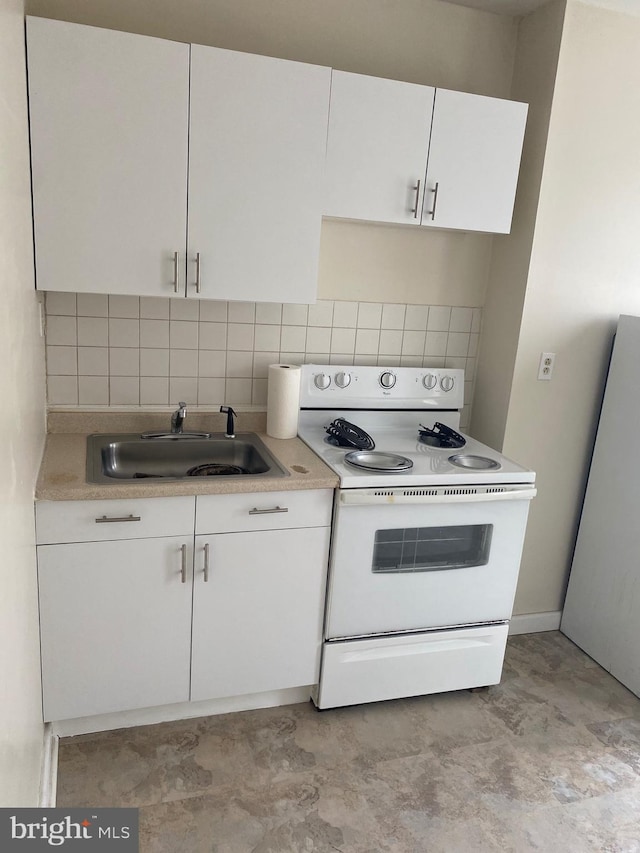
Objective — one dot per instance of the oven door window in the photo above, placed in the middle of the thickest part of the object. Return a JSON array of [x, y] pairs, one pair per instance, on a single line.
[[431, 549]]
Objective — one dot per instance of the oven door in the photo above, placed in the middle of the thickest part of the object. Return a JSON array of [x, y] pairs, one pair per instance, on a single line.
[[409, 560]]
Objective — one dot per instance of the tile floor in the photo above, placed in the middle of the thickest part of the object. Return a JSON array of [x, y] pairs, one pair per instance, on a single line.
[[549, 760]]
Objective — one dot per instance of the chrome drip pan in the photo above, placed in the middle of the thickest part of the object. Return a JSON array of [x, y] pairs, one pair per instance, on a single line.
[[376, 460], [477, 463]]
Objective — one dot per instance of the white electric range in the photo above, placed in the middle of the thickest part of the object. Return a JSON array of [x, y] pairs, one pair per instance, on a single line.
[[426, 539]]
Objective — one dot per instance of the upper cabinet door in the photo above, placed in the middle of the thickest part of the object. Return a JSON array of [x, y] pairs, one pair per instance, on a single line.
[[109, 134], [258, 133], [474, 158], [377, 148]]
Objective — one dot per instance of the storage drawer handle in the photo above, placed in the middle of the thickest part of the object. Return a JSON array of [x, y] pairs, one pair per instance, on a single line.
[[206, 563], [116, 520], [198, 281], [176, 276], [414, 209], [432, 212], [183, 569], [256, 511]]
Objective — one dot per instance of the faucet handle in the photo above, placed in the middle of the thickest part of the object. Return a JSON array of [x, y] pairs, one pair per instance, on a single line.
[[230, 433]]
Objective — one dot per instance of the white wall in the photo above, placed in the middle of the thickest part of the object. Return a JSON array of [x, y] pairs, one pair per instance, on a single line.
[[21, 434], [421, 41], [584, 272]]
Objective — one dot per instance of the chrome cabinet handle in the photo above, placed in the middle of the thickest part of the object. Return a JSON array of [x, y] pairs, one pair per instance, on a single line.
[[197, 272], [116, 520], [176, 283], [414, 210], [256, 511], [206, 563], [183, 570], [432, 212]]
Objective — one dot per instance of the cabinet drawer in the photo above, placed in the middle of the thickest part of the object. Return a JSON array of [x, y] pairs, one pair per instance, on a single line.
[[263, 511], [98, 521]]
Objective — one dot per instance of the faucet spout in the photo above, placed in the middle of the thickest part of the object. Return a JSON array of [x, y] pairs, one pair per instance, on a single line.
[[178, 418]]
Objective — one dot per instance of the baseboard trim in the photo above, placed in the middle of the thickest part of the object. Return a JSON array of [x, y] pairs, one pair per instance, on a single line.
[[180, 711], [49, 768], [535, 623]]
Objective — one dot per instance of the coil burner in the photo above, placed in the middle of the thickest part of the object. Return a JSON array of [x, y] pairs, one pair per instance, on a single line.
[[345, 434], [440, 436]]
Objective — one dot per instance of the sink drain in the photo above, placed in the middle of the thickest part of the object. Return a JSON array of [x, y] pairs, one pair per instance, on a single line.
[[213, 469]]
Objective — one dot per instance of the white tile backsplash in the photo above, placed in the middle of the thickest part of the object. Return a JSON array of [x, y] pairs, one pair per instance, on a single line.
[[369, 315], [62, 331], [62, 361], [124, 333], [93, 305], [393, 316], [154, 351], [184, 309], [154, 333], [124, 306], [154, 308], [183, 334], [61, 304]]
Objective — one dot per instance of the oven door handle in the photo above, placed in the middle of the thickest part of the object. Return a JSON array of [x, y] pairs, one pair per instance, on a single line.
[[364, 497]]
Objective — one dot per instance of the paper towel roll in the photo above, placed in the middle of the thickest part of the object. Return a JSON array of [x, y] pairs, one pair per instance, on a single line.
[[283, 400]]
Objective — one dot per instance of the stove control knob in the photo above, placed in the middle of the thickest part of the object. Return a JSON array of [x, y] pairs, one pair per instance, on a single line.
[[388, 379], [446, 383], [342, 379], [322, 381], [430, 381]]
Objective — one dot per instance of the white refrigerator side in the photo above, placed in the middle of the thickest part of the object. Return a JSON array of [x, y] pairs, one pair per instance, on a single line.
[[602, 607]]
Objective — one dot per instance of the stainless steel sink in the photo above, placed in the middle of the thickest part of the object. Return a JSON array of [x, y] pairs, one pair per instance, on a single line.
[[130, 458]]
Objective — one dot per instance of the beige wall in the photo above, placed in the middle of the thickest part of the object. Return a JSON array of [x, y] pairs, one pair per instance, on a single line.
[[421, 41], [536, 61], [21, 434], [584, 272]]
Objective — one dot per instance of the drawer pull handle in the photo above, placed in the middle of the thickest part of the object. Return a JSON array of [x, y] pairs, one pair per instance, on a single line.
[[256, 511], [206, 563], [106, 520], [183, 569]]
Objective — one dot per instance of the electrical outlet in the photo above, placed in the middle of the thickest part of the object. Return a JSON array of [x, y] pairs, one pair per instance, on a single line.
[[547, 362]]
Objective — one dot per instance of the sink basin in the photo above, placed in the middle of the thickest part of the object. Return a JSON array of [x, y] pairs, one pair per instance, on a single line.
[[129, 458]]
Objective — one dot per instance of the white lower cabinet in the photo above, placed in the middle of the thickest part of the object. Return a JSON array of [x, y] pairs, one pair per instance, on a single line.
[[115, 620], [137, 622], [257, 612]]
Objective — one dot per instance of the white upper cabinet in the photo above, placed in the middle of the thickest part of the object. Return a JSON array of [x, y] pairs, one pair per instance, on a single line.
[[377, 148], [109, 133], [113, 137], [257, 147], [403, 153], [474, 159]]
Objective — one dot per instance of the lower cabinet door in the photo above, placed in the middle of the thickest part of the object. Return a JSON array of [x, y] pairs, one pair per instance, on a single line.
[[115, 621], [258, 608]]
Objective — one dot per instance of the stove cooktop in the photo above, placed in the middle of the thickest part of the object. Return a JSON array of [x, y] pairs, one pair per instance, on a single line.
[[398, 433]]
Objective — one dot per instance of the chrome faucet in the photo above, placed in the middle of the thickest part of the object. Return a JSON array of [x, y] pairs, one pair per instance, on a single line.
[[177, 427], [178, 418]]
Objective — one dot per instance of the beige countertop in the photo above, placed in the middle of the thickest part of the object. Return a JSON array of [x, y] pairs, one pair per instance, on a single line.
[[63, 477]]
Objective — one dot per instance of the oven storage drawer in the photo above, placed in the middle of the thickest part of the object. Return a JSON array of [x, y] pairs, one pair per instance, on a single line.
[[356, 671]]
